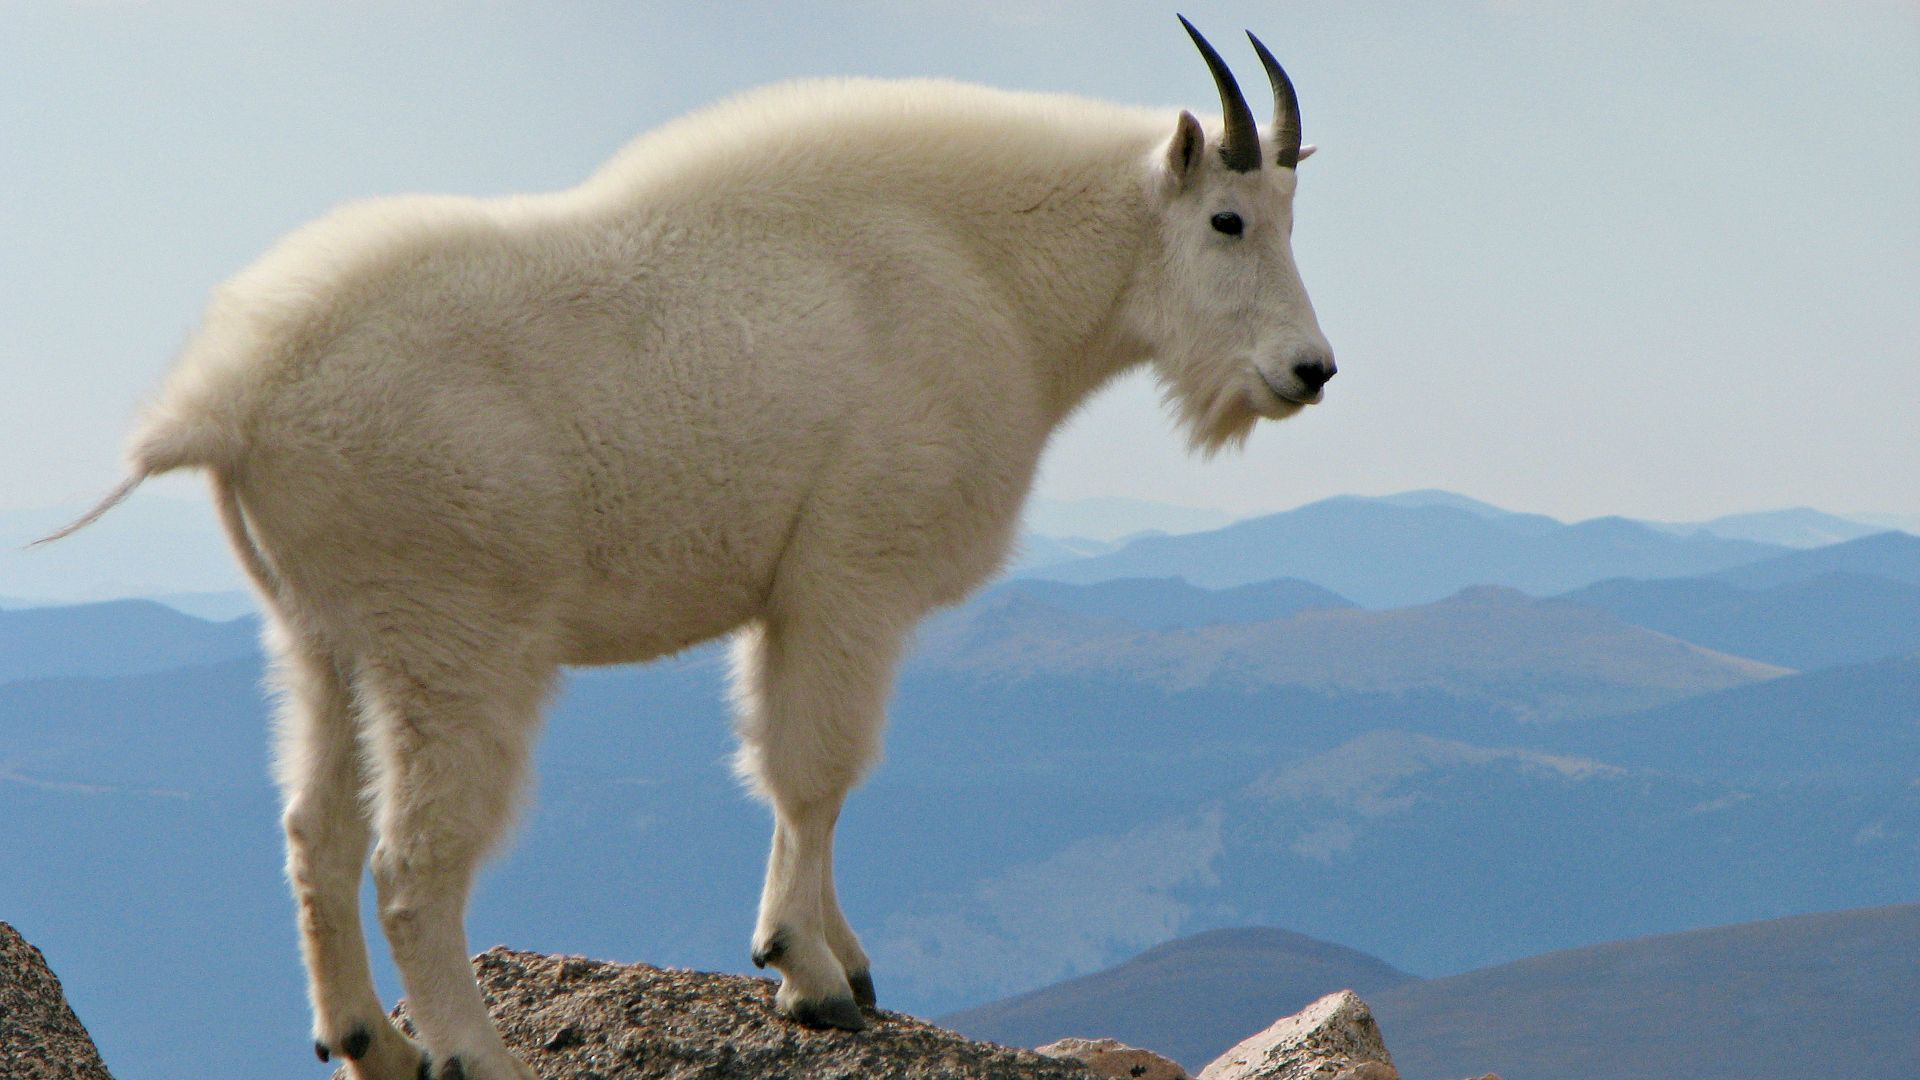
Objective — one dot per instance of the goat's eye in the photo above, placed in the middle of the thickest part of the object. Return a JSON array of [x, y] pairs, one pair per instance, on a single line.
[[1228, 222]]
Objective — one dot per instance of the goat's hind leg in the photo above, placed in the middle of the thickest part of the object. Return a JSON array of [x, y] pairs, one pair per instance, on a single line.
[[321, 778], [451, 752]]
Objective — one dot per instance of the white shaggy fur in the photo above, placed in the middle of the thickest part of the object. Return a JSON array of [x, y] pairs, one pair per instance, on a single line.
[[783, 369]]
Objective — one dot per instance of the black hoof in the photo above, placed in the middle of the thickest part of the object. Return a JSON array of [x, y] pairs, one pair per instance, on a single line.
[[356, 1044], [772, 951], [320, 1051], [426, 1068], [839, 1013], [862, 983], [453, 1070]]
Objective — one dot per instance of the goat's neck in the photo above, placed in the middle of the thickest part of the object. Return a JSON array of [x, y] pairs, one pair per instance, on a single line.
[[1076, 276]]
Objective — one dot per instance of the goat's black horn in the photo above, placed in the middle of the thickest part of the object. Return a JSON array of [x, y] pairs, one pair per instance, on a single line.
[[1286, 107], [1240, 146]]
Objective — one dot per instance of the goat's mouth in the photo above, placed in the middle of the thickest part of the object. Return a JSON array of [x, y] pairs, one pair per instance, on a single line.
[[1296, 396]]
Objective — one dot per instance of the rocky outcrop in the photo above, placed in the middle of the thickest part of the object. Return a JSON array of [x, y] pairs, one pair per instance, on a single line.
[[1334, 1038], [574, 1019], [577, 1019], [40, 1038], [1115, 1059]]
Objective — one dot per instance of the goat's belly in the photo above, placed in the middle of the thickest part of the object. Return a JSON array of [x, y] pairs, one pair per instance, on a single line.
[[661, 621], [627, 621]]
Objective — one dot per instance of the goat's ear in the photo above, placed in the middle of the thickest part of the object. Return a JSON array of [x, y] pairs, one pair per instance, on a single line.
[[1307, 150], [1183, 153]]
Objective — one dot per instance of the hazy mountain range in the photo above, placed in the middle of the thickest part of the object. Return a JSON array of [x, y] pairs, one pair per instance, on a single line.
[[1438, 854], [1817, 621], [1190, 998], [1380, 554], [1076, 772], [1110, 519], [166, 544], [1774, 1000], [1800, 527], [1539, 659], [120, 637], [1389, 552]]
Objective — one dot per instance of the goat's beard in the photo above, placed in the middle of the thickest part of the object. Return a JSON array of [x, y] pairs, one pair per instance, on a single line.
[[1215, 405]]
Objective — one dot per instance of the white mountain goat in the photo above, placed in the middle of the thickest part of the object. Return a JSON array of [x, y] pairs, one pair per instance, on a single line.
[[782, 369]]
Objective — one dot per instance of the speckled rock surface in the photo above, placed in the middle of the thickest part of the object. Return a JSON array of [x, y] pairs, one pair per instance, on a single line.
[[1334, 1038], [40, 1038], [1115, 1059], [576, 1019]]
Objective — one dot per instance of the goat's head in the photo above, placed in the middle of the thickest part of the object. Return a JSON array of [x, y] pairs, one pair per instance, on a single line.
[[1223, 310]]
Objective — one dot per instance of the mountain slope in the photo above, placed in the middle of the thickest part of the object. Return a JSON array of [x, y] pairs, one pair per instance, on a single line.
[[1841, 725], [1111, 518], [1830, 994], [200, 729], [1179, 997], [1536, 659], [1381, 554], [119, 637], [1796, 527], [1830, 618], [1169, 603], [1036, 551], [1894, 555], [1833, 994], [1440, 855], [1025, 829], [1437, 497]]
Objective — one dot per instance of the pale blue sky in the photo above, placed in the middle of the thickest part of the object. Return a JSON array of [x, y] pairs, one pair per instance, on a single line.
[[1660, 259]]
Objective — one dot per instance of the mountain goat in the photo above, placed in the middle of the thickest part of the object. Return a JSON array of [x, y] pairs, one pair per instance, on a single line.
[[782, 369]]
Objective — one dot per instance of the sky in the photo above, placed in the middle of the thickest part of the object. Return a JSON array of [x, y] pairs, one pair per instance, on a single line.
[[1578, 258]]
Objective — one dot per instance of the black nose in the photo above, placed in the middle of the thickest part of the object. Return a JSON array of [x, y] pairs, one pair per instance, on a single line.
[[1314, 373]]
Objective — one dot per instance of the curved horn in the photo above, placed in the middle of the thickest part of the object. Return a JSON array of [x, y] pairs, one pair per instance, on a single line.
[[1286, 107], [1240, 146]]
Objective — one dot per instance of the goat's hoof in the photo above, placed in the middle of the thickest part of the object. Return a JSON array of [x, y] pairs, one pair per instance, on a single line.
[[370, 1049], [772, 950], [452, 1070], [862, 983], [839, 1012], [353, 1046]]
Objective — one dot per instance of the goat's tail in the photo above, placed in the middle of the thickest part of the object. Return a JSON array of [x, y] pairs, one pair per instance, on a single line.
[[112, 500], [240, 537], [232, 519], [198, 422], [162, 447]]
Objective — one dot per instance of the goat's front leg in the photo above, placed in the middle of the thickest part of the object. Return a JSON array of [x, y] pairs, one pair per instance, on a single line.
[[793, 930], [841, 938], [812, 700]]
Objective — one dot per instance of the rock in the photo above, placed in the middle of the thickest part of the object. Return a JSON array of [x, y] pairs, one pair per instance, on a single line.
[[576, 1019], [1334, 1038], [40, 1038], [1113, 1058]]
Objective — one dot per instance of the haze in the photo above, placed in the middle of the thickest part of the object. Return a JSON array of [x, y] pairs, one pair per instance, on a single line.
[[1576, 258]]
